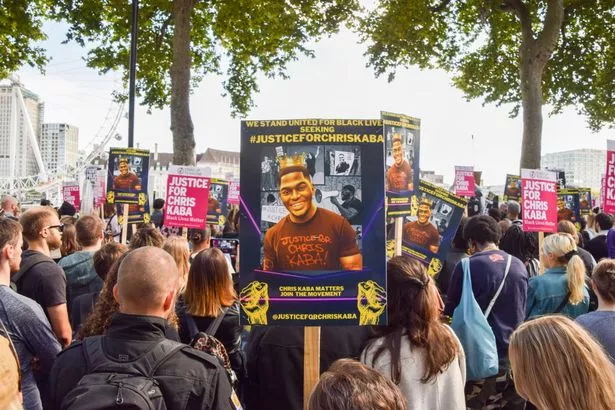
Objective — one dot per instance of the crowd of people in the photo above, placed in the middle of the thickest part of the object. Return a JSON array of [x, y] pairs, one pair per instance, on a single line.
[[90, 323]]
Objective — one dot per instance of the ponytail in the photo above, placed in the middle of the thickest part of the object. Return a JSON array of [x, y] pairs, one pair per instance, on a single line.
[[575, 270]]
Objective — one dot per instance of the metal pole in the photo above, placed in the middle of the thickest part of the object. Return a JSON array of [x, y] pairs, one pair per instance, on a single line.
[[132, 73]]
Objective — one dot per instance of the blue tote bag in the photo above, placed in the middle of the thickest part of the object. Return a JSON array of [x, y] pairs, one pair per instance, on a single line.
[[474, 333]]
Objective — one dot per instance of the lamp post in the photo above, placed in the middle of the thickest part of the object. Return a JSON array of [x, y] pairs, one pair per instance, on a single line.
[[132, 71]]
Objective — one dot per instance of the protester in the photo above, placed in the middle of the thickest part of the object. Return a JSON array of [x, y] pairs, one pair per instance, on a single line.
[[558, 365], [147, 286], [81, 277], [157, 216], [597, 246], [24, 321], [177, 247], [200, 240], [495, 214], [488, 270], [10, 395], [601, 323], [67, 209], [504, 224], [561, 289], [147, 235], [10, 207], [230, 229], [103, 260], [40, 278], [69, 243], [589, 233], [458, 251], [522, 245], [587, 258], [275, 362], [349, 385], [113, 229], [513, 211], [420, 354], [209, 294]]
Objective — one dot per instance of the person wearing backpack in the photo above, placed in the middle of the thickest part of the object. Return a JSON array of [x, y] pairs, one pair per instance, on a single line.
[[491, 271], [133, 365]]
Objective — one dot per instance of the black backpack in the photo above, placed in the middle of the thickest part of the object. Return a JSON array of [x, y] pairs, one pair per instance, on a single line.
[[25, 267], [119, 385]]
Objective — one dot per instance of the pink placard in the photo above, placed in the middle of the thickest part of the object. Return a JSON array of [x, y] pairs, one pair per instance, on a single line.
[[464, 181], [602, 191], [539, 200], [72, 195], [233, 193], [187, 197], [100, 188], [608, 187]]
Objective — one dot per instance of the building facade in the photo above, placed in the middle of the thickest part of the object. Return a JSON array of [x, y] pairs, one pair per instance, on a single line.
[[583, 167], [59, 145]]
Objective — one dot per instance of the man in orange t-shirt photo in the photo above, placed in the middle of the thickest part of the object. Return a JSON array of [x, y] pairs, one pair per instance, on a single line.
[[399, 175]]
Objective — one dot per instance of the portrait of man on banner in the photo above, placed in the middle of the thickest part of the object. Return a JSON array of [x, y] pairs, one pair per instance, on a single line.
[[400, 176]]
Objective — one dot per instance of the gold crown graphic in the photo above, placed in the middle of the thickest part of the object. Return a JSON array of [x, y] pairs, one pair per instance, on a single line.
[[426, 201], [286, 161]]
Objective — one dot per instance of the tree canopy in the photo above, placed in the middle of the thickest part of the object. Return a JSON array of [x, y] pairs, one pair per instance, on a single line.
[[487, 45]]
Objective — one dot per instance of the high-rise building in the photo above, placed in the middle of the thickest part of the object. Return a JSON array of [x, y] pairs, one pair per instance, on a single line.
[[583, 167], [59, 145], [21, 117]]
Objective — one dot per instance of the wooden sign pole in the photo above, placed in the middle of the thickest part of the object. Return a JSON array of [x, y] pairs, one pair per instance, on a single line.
[[125, 224], [399, 228], [311, 361]]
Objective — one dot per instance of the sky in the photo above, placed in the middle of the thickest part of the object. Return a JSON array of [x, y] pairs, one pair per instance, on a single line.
[[334, 84]]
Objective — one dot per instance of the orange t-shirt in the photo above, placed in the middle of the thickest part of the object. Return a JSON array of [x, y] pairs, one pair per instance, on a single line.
[[212, 205], [398, 177], [424, 236], [315, 245]]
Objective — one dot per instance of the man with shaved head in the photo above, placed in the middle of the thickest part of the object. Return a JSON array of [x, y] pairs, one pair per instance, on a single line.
[[146, 290]]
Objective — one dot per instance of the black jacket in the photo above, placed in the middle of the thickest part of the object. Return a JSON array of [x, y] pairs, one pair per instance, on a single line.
[[275, 362], [189, 379], [597, 247]]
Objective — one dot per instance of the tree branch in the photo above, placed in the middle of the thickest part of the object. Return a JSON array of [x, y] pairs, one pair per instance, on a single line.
[[440, 7], [523, 14], [547, 39], [163, 31]]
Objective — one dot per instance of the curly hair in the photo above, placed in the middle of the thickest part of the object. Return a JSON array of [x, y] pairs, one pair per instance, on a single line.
[[147, 235]]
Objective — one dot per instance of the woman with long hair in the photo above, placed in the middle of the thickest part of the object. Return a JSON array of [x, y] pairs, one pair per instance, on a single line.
[[561, 289], [209, 294], [69, 240], [177, 247], [416, 350], [557, 365]]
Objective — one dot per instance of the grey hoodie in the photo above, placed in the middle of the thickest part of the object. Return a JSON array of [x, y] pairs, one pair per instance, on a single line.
[[81, 278]]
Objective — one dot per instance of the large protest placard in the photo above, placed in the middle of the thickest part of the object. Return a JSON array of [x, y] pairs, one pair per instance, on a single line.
[[217, 202], [402, 145], [512, 189], [96, 176], [608, 206], [187, 197], [585, 201], [72, 194], [127, 177], [568, 206], [465, 181], [302, 233], [233, 193], [538, 208], [429, 230]]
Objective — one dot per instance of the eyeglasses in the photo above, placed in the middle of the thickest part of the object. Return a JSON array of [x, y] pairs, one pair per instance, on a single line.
[[58, 227]]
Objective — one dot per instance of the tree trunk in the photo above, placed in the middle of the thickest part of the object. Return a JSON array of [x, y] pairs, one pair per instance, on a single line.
[[531, 92], [181, 121]]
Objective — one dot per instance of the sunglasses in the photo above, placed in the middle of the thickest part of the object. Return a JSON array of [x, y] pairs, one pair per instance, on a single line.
[[58, 227]]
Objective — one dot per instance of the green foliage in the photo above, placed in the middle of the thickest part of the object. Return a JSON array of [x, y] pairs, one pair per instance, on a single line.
[[21, 24], [237, 38], [479, 41]]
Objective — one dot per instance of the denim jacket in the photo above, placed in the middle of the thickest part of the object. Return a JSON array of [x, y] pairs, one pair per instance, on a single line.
[[545, 293]]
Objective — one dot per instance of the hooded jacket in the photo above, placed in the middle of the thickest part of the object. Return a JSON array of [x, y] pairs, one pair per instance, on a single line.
[[81, 278]]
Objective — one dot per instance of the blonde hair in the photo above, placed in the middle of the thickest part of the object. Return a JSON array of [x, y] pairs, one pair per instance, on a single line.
[[177, 247], [557, 365], [560, 245]]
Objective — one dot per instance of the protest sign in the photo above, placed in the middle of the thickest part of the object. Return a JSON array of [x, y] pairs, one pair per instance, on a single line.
[[233, 193], [187, 197], [402, 138], [429, 230], [568, 207], [539, 200], [96, 176], [512, 189], [464, 181], [608, 206], [301, 257], [71, 194], [585, 201], [216, 203], [602, 191], [127, 177]]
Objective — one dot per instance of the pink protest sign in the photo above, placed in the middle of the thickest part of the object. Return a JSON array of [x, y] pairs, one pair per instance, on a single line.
[[602, 190], [100, 188], [233, 193], [71, 194], [539, 200], [187, 195], [464, 181], [608, 206]]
